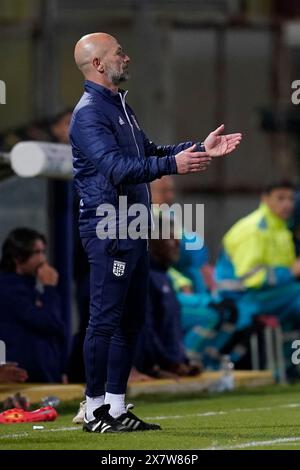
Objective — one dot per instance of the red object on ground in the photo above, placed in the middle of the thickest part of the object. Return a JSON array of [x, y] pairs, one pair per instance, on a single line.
[[268, 320], [16, 415]]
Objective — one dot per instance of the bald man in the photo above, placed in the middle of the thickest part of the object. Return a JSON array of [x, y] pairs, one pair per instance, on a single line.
[[112, 157]]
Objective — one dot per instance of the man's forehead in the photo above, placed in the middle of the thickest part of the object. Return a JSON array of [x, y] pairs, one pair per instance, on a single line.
[[113, 46], [106, 43]]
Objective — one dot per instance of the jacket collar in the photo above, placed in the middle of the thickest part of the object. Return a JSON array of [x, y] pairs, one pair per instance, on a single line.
[[95, 88]]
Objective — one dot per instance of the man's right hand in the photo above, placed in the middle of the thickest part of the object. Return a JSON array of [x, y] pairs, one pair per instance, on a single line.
[[190, 161], [47, 275]]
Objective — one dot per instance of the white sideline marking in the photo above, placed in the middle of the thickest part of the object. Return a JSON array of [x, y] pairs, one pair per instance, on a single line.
[[291, 405], [218, 413], [204, 414], [207, 413], [245, 445], [26, 434]]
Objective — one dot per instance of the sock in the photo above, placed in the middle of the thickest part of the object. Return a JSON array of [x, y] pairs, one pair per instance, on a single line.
[[92, 404], [117, 404]]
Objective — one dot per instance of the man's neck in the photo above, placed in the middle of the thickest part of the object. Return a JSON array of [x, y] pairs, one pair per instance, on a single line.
[[106, 84]]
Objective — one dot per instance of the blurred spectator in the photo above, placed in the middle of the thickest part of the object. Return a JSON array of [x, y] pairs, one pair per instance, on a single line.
[[54, 129], [10, 372], [208, 323], [163, 190], [136, 376], [294, 223], [30, 320], [36, 130], [161, 344], [194, 264], [258, 265], [59, 127]]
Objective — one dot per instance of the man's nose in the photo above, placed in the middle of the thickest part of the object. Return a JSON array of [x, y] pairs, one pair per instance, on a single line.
[[126, 58]]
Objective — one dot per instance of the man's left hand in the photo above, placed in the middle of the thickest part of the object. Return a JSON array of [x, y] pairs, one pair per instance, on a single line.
[[217, 145]]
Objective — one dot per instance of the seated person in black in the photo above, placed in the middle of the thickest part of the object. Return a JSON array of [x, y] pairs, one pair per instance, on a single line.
[[30, 315]]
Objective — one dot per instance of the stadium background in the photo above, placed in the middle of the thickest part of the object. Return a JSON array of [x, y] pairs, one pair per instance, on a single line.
[[194, 65]]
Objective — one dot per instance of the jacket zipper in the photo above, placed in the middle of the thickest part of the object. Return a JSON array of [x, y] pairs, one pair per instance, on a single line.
[[138, 150]]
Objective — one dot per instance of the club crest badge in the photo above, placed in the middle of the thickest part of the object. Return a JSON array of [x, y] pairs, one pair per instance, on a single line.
[[119, 268]]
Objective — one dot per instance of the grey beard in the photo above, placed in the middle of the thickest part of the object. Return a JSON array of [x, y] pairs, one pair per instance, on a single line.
[[117, 78]]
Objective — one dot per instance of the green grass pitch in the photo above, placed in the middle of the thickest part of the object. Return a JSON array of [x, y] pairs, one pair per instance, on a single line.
[[265, 418]]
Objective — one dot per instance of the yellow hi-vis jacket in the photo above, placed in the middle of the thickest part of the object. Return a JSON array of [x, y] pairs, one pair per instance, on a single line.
[[260, 248]]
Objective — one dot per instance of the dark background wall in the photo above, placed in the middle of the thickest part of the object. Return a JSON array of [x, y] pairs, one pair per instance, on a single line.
[[194, 65]]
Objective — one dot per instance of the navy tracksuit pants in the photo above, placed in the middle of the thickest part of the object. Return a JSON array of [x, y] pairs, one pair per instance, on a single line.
[[118, 296]]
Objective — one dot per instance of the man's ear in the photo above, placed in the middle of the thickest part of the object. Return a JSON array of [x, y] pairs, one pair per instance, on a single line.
[[98, 65]]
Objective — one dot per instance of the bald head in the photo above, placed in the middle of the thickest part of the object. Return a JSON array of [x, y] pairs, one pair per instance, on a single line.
[[92, 46], [101, 59]]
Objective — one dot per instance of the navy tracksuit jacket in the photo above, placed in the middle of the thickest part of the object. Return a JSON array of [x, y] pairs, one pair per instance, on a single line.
[[112, 157]]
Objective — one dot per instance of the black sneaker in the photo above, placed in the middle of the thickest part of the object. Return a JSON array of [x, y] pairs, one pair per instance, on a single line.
[[103, 422], [133, 423]]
